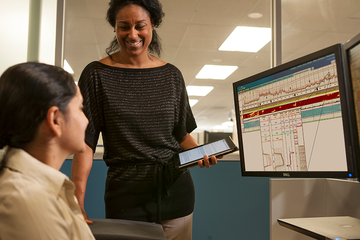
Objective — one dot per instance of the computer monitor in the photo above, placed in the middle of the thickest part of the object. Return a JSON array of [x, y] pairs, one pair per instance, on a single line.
[[292, 120], [351, 50]]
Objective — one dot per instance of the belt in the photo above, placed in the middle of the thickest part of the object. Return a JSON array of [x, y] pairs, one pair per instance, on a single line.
[[162, 177]]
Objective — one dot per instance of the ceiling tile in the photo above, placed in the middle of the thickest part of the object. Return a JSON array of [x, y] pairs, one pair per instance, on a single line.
[[171, 34], [223, 13], [179, 11]]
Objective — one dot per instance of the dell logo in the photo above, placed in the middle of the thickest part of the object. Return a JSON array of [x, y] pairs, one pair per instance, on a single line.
[[286, 174]]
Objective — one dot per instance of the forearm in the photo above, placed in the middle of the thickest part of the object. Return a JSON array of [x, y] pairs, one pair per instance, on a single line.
[[80, 169], [188, 142]]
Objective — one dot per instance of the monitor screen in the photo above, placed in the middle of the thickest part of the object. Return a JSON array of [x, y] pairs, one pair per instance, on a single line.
[[352, 73], [292, 119]]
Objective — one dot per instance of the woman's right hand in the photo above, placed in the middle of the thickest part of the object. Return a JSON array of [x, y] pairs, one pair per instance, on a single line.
[[86, 217]]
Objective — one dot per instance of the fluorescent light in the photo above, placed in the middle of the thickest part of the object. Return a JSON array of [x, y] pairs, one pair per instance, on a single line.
[[247, 39], [67, 67], [220, 72], [228, 124], [255, 15], [198, 90], [193, 102], [219, 127]]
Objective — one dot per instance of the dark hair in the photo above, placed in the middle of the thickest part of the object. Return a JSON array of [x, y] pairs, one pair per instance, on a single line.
[[153, 8], [27, 91]]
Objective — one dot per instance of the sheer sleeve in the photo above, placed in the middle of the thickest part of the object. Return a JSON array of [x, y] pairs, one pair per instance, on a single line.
[[89, 87], [185, 121]]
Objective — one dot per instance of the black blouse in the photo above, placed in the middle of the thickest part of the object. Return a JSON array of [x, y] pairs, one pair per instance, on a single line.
[[142, 114]]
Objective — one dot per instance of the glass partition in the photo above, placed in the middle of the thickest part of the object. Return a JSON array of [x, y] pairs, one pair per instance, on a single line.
[[192, 33], [311, 25]]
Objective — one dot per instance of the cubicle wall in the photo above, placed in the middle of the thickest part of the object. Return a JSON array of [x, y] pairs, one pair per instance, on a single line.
[[227, 206], [300, 198]]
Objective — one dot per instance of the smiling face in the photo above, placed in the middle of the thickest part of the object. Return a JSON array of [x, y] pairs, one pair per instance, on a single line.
[[133, 31]]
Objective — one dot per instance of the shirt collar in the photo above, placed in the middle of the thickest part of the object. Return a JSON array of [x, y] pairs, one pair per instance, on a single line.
[[21, 161]]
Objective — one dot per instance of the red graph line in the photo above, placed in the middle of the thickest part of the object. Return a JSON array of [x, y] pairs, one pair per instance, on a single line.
[[268, 155], [288, 106], [291, 153], [282, 158], [282, 90]]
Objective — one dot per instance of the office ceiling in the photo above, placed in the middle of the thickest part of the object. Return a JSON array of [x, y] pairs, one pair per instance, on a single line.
[[193, 30]]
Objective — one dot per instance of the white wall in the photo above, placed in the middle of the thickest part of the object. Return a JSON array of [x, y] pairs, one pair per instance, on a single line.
[[14, 21], [14, 25]]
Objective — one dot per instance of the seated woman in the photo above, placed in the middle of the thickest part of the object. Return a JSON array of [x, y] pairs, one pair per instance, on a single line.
[[41, 123]]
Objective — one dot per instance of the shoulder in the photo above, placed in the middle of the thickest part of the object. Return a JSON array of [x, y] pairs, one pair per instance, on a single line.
[[156, 62], [27, 199], [175, 73], [93, 66], [106, 60], [91, 74], [23, 192], [35, 211], [172, 69]]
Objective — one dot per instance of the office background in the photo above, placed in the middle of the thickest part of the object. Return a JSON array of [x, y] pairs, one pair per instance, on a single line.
[[228, 206]]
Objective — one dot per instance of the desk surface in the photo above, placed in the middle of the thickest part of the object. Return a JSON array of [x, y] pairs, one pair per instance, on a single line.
[[109, 229], [336, 228]]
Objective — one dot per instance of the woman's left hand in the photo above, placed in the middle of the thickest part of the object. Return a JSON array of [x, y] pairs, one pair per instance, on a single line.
[[189, 142], [207, 162]]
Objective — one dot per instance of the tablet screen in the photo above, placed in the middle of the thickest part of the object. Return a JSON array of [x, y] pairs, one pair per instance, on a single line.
[[199, 152]]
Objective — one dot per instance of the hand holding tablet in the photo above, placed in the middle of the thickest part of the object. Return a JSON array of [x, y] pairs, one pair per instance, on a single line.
[[221, 147]]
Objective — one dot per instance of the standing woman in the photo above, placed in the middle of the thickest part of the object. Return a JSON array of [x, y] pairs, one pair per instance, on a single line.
[[140, 105], [41, 123]]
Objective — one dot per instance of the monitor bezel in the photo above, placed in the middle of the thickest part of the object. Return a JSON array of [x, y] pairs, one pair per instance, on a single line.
[[343, 88], [351, 104]]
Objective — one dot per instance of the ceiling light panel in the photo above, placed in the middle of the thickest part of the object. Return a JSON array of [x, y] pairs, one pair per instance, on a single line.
[[192, 102], [218, 72], [199, 90], [247, 39], [255, 15]]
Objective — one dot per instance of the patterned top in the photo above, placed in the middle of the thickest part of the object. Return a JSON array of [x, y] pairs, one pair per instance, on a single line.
[[142, 114]]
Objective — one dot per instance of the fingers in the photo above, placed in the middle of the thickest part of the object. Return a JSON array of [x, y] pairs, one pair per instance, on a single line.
[[89, 221], [213, 160], [201, 163], [207, 162], [86, 217]]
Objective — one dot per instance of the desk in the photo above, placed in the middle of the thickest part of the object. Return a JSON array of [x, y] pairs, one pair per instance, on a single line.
[[111, 229], [337, 228]]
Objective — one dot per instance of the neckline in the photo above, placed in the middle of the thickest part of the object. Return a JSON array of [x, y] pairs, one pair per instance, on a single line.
[[137, 69]]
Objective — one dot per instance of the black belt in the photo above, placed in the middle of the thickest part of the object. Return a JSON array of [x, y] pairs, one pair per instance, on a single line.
[[162, 177]]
